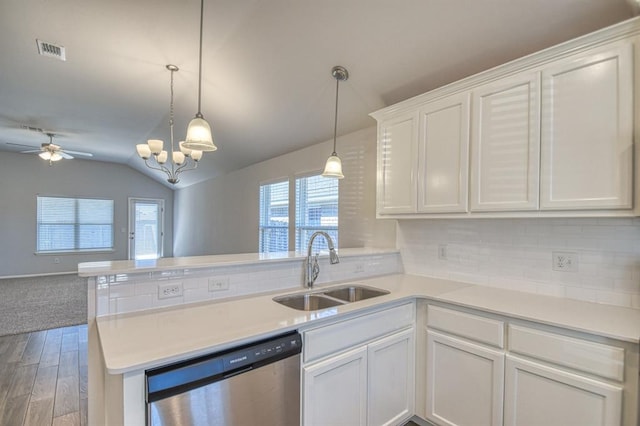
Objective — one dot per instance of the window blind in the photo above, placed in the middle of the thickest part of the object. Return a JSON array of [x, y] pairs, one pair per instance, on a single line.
[[74, 224], [316, 210], [274, 217]]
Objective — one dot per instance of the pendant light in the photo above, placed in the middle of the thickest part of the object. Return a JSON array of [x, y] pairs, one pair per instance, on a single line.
[[199, 132], [333, 168]]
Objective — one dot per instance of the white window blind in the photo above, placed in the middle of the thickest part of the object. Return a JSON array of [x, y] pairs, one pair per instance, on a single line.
[[74, 224], [274, 217], [316, 210]]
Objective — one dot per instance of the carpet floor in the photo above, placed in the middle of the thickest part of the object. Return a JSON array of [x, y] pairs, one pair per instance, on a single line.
[[42, 303]]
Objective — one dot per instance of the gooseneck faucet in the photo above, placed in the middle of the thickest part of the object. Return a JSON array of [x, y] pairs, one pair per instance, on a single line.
[[312, 268]]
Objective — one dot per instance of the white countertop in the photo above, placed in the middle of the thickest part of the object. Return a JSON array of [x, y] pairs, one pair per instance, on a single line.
[[134, 342], [112, 267]]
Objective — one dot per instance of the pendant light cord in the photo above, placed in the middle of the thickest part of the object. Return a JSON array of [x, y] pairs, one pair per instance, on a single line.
[[335, 121], [199, 114]]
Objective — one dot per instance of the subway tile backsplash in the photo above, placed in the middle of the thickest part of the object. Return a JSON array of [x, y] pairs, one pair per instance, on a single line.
[[518, 254], [123, 293]]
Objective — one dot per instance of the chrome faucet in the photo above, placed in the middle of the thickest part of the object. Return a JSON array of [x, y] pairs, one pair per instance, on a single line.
[[313, 269]]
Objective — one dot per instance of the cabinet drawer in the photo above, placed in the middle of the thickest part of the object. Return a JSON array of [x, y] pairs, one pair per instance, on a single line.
[[595, 358], [471, 326], [342, 335]]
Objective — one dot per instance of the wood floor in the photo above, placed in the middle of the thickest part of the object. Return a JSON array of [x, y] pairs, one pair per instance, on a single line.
[[43, 378]]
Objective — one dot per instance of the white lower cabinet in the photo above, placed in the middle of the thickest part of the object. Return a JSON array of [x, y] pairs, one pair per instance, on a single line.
[[465, 382], [541, 395], [486, 370], [371, 382], [335, 390], [391, 379]]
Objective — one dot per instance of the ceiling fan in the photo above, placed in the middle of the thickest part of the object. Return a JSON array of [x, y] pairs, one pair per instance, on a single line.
[[51, 152]]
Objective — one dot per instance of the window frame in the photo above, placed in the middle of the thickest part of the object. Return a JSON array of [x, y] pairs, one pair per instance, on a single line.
[[289, 207], [76, 226]]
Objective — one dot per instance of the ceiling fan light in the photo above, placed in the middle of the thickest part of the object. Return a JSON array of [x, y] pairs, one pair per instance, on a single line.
[[196, 155], [155, 145], [333, 167], [162, 157], [56, 157], [199, 135], [143, 151], [45, 155]]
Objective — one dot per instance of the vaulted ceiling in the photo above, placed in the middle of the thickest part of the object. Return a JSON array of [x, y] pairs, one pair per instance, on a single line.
[[267, 86]]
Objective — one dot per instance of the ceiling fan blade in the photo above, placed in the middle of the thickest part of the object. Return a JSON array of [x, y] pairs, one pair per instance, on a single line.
[[31, 151], [65, 155], [19, 144], [86, 154]]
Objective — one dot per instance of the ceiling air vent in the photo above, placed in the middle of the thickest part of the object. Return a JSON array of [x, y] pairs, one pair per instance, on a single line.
[[51, 50]]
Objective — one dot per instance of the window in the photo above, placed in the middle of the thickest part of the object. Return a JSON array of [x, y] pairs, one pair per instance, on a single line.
[[74, 224], [274, 217], [316, 210]]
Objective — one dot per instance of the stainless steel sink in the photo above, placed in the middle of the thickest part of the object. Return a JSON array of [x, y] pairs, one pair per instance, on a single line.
[[329, 298], [308, 301], [355, 293]]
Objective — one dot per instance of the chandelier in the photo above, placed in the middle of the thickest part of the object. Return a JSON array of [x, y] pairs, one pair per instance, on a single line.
[[156, 158]]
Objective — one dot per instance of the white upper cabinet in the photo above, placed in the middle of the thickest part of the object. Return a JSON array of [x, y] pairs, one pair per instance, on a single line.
[[547, 135], [397, 164], [505, 144], [587, 131], [443, 161]]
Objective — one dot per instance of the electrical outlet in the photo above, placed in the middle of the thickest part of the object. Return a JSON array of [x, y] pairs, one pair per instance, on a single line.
[[442, 251], [565, 261], [359, 269], [218, 283], [172, 289]]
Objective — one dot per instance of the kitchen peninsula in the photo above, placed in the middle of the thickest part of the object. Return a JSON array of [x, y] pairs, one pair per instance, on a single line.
[[124, 344]]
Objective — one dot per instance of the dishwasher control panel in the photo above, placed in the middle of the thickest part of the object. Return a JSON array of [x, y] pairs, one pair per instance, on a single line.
[[275, 348]]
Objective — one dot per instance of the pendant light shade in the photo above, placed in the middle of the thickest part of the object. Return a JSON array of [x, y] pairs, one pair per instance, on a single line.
[[199, 135], [333, 167], [199, 132]]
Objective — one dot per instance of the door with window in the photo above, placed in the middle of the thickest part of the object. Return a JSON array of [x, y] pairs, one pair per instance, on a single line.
[[146, 228]]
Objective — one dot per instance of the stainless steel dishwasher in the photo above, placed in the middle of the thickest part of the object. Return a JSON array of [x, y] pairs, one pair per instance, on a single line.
[[255, 384]]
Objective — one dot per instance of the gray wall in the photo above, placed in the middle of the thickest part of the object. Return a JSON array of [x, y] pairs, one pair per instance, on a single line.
[[221, 215], [22, 177]]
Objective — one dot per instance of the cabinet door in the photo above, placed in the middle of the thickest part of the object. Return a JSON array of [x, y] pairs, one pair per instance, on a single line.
[[542, 395], [335, 390], [443, 147], [391, 379], [397, 164], [465, 382], [587, 125], [505, 146]]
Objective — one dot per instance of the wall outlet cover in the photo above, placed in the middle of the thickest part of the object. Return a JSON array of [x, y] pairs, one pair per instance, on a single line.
[[565, 261], [218, 284], [442, 251], [169, 290]]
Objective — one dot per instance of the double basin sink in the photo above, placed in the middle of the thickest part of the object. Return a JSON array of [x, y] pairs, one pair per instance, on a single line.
[[329, 298]]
